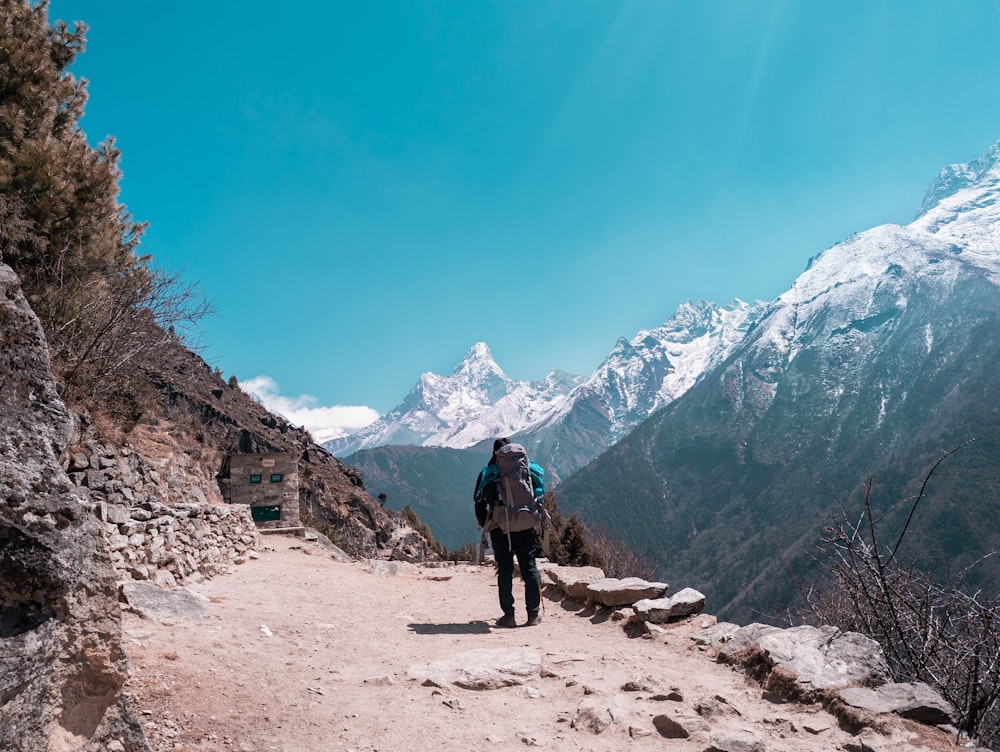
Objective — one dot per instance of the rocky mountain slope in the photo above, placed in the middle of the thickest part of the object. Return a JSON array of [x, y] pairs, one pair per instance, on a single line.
[[637, 378], [137, 504], [200, 418], [566, 420], [882, 356]]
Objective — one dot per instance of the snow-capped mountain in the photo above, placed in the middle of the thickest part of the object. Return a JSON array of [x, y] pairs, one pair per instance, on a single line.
[[477, 401], [565, 420], [884, 354], [637, 378], [424, 453]]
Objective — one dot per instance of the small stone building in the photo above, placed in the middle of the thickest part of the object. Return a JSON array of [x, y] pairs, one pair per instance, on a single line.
[[268, 483]]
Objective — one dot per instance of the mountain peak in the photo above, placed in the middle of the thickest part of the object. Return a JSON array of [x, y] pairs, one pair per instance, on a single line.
[[478, 353], [478, 366], [957, 177]]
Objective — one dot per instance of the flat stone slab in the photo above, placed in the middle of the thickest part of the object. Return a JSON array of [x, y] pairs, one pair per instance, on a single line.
[[743, 740], [573, 581], [161, 604], [916, 701], [486, 668], [624, 592], [661, 610], [744, 637]]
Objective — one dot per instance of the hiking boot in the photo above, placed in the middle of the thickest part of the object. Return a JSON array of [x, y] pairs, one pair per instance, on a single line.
[[533, 619], [506, 621]]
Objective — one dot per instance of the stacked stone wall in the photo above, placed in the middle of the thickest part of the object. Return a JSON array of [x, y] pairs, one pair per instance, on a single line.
[[169, 544], [157, 518]]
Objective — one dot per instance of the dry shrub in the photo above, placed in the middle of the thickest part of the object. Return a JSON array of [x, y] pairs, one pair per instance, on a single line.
[[933, 633], [616, 558]]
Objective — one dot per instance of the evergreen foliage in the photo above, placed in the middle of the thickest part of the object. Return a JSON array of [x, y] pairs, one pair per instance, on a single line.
[[419, 476], [103, 307], [567, 536]]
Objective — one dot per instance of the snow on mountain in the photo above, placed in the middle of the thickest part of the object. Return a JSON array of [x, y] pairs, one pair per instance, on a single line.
[[962, 207], [566, 420], [882, 355], [477, 401], [957, 228], [524, 404], [641, 375]]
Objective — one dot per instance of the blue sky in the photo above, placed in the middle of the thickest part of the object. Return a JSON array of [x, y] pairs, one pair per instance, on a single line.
[[364, 190]]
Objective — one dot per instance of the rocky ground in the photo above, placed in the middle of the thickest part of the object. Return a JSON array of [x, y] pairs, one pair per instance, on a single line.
[[299, 652]]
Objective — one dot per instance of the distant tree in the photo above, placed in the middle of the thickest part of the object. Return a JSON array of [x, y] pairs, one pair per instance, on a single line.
[[567, 537], [465, 552], [576, 547], [553, 529], [382, 499], [234, 382]]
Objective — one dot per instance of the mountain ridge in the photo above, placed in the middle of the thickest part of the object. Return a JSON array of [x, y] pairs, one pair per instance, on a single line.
[[881, 356], [638, 376]]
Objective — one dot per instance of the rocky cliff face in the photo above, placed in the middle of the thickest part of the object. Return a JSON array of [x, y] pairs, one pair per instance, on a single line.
[[61, 660]]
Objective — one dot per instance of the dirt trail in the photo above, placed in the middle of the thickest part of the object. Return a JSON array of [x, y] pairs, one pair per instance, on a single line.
[[301, 653]]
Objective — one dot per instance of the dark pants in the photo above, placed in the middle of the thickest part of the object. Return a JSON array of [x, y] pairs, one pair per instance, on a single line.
[[522, 545]]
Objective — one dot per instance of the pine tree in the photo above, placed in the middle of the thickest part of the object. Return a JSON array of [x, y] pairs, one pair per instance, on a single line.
[[568, 539], [66, 190], [574, 542], [62, 226]]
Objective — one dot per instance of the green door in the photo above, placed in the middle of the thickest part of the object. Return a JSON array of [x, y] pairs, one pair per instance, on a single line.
[[266, 512]]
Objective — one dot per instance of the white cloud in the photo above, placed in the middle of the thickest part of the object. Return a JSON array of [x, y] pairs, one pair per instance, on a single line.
[[324, 423]]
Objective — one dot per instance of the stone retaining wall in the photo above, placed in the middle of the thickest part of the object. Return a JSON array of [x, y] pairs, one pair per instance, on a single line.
[[188, 538], [168, 544]]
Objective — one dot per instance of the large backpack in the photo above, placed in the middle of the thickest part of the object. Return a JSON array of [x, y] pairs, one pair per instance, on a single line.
[[519, 488]]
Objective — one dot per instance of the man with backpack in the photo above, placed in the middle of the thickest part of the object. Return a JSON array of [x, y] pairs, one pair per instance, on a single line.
[[508, 503]]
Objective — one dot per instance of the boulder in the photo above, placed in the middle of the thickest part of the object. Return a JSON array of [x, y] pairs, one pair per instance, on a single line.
[[825, 657], [811, 659], [166, 605], [661, 610], [614, 592], [742, 740], [715, 635], [62, 666], [742, 638], [679, 725]]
